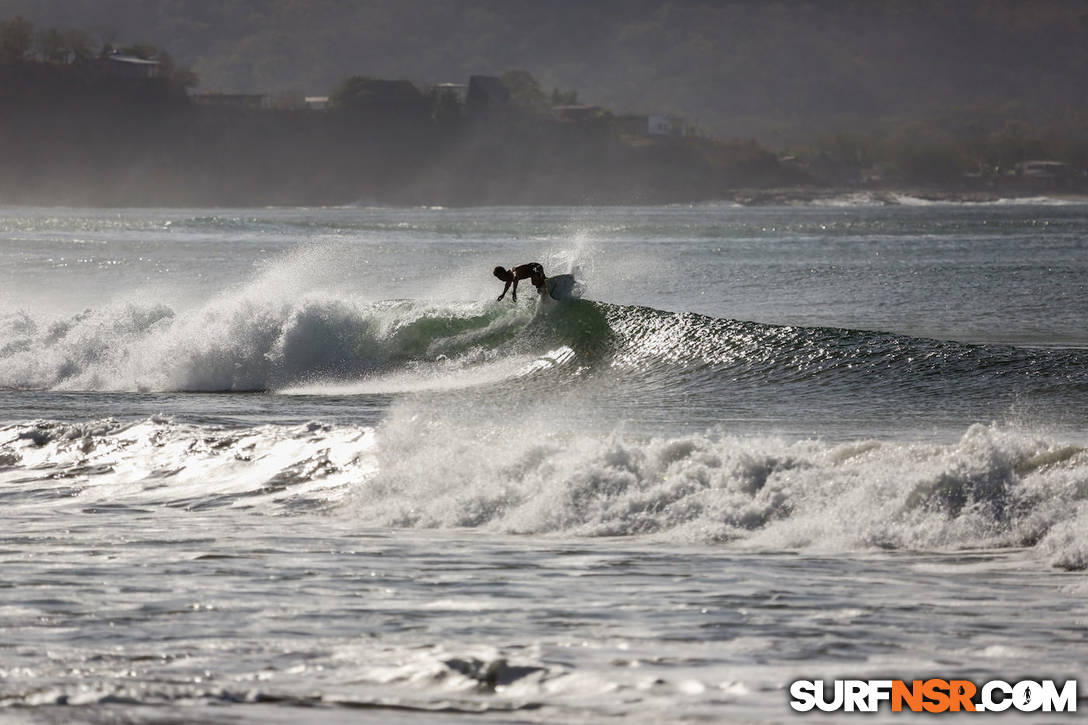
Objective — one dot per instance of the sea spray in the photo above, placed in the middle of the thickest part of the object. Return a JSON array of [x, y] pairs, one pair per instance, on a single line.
[[995, 487], [240, 344]]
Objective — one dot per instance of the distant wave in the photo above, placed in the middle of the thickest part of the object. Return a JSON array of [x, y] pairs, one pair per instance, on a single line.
[[996, 487], [898, 198]]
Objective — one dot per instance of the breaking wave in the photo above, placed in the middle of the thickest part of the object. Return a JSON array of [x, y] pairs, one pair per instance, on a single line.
[[245, 344], [241, 346], [898, 198], [996, 487]]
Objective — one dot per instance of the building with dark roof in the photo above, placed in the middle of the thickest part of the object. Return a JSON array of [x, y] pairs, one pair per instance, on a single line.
[[485, 94], [127, 66], [380, 96]]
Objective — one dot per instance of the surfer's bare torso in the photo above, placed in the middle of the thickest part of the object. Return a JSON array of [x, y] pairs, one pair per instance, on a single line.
[[533, 271]]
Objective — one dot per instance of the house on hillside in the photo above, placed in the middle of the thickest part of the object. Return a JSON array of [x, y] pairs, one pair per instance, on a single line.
[[651, 125], [664, 126], [457, 92], [381, 97], [1045, 173], [127, 66], [486, 94]]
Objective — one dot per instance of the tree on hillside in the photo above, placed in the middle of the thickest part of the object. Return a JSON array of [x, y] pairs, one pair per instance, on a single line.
[[78, 44], [350, 92], [181, 78], [564, 98], [64, 46], [16, 40], [50, 45], [525, 90]]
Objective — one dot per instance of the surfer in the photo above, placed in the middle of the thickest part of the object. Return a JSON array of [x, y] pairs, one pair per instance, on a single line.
[[531, 271]]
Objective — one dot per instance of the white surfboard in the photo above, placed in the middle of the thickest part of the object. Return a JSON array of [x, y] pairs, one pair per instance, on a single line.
[[563, 287]]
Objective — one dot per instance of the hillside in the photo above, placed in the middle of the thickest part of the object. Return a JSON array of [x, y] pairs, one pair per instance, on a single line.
[[783, 72]]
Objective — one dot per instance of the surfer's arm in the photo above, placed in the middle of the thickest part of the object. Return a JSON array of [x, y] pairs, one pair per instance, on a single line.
[[506, 288], [514, 292]]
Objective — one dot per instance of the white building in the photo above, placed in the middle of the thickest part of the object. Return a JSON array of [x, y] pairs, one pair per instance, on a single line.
[[663, 126]]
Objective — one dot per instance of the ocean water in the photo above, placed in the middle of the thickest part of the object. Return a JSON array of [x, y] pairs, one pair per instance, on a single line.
[[299, 465]]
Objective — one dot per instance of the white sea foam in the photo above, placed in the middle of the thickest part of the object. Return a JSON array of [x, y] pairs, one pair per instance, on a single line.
[[995, 487], [238, 342], [861, 198], [1041, 201], [159, 462], [899, 198]]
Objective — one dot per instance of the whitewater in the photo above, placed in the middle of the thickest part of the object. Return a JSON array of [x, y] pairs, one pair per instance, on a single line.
[[300, 465]]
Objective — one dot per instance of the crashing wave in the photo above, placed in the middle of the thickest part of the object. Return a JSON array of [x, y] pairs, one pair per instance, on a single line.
[[996, 487], [242, 344], [246, 344]]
